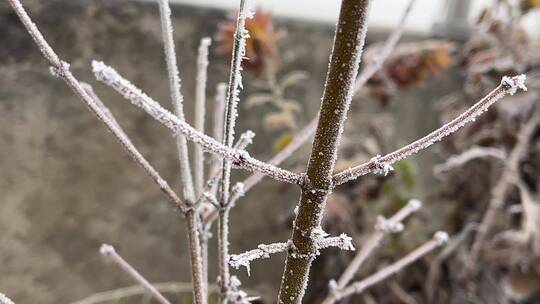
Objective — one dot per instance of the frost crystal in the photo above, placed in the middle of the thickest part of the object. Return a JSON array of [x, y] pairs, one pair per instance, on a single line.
[[5, 300], [441, 237], [415, 204], [386, 225], [381, 167], [514, 83], [106, 249]]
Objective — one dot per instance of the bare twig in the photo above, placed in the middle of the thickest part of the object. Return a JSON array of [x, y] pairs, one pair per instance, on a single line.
[[218, 124], [499, 191], [509, 85], [108, 251], [382, 228], [439, 239], [237, 191], [200, 112], [240, 159], [245, 140], [176, 96], [263, 251], [459, 160], [231, 111], [376, 64], [61, 69], [348, 45]]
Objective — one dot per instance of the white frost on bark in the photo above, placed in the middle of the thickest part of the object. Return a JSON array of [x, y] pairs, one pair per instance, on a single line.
[[509, 85], [133, 94]]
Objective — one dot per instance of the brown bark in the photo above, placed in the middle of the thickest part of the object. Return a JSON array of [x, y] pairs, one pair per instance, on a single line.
[[344, 62]]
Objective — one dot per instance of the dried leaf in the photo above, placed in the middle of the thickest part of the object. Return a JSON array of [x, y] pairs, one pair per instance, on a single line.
[[258, 99], [293, 78], [279, 120]]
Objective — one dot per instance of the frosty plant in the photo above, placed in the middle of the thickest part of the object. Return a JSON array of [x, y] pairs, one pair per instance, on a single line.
[[211, 198]]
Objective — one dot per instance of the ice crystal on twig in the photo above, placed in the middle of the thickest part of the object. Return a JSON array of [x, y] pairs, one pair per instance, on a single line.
[[509, 85], [5, 300], [343, 242], [133, 94], [514, 83]]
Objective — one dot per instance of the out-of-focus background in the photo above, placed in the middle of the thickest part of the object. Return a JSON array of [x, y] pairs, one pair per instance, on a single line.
[[66, 185]]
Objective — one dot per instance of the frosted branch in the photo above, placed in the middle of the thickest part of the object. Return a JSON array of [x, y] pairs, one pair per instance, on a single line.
[[237, 191], [231, 112], [176, 96], [108, 251], [509, 85], [383, 226], [343, 242], [263, 251], [5, 300], [240, 159], [456, 161], [366, 73], [440, 238], [200, 111], [245, 140], [95, 105], [218, 118], [376, 64]]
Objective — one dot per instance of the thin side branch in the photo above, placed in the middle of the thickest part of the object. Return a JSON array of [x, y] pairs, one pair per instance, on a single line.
[[459, 160], [108, 251], [240, 159], [200, 111], [509, 85], [176, 96], [440, 238], [263, 251], [390, 44], [231, 112], [61, 70], [382, 228], [218, 123]]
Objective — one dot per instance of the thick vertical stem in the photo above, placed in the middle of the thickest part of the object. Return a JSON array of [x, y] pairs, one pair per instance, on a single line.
[[344, 62], [195, 254]]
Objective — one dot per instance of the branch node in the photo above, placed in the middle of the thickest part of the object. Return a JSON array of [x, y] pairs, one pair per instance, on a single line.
[[60, 70]]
